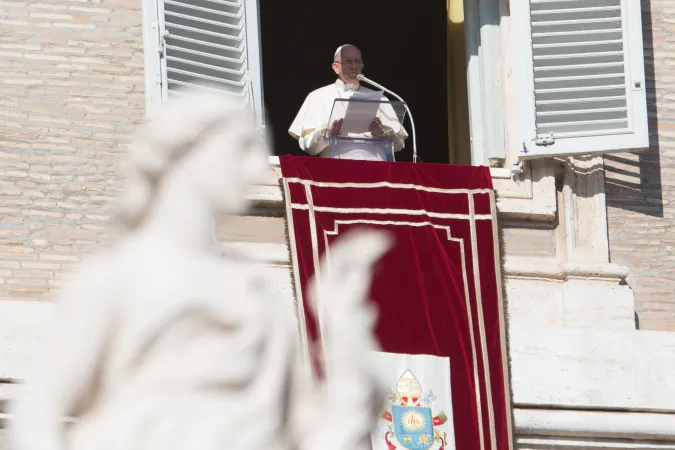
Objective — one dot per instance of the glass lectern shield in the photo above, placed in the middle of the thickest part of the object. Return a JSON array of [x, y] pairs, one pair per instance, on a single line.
[[369, 131]]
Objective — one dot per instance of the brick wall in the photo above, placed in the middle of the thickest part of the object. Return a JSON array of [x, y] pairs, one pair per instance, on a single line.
[[71, 92], [641, 186]]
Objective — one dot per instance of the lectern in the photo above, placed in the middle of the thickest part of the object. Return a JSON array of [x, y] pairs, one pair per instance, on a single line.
[[354, 140]]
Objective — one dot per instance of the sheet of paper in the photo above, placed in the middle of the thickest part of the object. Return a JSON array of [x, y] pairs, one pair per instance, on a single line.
[[359, 115]]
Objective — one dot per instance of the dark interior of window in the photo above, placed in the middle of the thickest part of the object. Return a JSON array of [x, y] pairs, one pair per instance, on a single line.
[[404, 48]]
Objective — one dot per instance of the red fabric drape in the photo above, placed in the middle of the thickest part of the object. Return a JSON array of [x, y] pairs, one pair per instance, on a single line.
[[438, 292]]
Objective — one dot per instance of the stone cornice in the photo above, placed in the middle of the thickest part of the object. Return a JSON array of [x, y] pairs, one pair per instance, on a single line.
[[556, 269], [607, 424]]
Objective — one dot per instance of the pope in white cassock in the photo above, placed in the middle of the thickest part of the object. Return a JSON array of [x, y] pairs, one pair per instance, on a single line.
[[311, 127]]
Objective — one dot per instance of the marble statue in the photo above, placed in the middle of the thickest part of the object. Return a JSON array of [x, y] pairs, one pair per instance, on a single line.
[[164, 343]]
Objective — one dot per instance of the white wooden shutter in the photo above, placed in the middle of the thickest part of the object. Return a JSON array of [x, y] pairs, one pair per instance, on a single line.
[[214, 41], [579, 76]]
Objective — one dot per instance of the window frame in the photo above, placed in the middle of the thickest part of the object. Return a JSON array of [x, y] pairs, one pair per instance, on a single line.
[[151, 51], [156, 86], [635, 138], [484, 65], [254, 62]]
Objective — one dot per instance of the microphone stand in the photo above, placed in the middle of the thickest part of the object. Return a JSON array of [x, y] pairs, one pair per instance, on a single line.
[[412, 122]]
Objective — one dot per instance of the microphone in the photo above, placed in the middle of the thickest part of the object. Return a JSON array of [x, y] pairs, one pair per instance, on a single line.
[[361, 77]]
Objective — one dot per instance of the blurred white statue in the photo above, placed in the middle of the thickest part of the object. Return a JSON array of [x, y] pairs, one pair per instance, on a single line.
[[163, 343]]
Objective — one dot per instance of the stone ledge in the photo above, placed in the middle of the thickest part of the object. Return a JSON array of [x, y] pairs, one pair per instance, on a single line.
[[554, 268], [588, 443], [551, 367], [581, 368], [565, 429], [598, 424], [23, 324]]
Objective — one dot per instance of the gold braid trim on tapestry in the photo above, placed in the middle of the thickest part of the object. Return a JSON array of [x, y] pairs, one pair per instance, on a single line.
[[295, 280], [481, 324], [500, 250]]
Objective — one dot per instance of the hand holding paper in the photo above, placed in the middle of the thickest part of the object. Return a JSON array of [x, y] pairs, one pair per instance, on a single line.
[[360, 115]]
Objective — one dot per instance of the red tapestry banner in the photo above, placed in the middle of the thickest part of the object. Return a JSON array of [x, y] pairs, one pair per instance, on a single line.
[[441, 318]]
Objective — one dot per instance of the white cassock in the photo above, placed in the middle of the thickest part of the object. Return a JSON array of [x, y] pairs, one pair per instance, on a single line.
[[311, 123]]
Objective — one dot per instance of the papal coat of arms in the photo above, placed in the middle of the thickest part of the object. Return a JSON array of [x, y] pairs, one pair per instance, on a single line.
[[411, 421]]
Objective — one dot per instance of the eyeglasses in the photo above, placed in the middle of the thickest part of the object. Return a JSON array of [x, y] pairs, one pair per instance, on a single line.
[[350, 62]]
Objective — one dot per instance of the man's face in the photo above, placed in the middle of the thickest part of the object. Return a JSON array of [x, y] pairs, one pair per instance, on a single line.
[[349, 64]]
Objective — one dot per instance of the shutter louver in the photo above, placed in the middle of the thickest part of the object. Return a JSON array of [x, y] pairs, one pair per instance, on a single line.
[[578, 61], [206, 42], [583, 69]]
